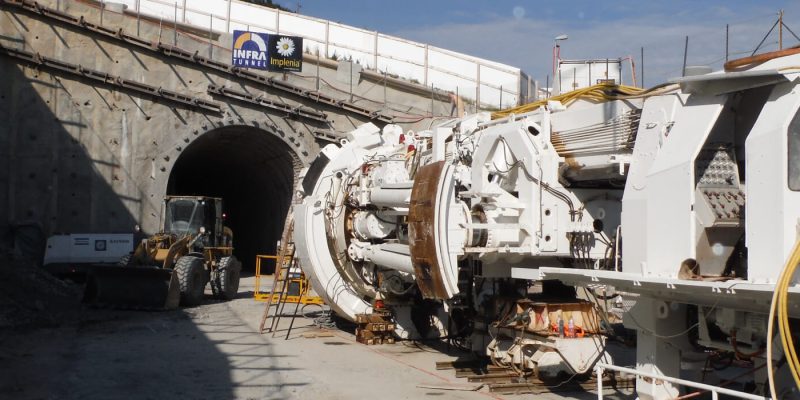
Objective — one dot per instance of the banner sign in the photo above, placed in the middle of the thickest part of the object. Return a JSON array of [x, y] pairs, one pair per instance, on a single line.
[[270, 52], [285, 53]]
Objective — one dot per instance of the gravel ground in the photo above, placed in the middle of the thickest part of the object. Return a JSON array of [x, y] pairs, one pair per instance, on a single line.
[[212, 351], [31, 298]]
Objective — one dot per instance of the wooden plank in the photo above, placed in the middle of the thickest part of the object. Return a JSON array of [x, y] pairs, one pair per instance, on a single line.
[[466, 387]]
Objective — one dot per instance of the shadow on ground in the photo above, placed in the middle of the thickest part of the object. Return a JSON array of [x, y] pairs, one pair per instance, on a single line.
[[200, 353]]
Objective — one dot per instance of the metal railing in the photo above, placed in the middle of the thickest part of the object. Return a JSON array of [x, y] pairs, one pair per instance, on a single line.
[[302, 287], [482, 81], [715, 390], [257, 293]]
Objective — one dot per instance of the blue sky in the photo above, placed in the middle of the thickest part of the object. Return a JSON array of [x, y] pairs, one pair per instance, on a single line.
[[520, 33]]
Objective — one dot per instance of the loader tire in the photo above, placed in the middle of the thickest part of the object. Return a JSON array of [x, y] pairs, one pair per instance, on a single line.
[[192, 279], [228, 274]]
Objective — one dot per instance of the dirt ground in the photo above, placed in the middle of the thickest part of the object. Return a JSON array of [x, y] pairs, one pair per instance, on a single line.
[[211, 352]]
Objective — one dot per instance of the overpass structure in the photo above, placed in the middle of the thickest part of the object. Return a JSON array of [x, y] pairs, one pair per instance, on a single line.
[[104, 111]]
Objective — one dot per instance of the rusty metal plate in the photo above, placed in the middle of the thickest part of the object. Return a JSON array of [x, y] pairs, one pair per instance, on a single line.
[[422, 231]]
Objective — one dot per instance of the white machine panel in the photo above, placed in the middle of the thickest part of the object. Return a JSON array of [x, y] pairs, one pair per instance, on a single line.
[[87, 248]]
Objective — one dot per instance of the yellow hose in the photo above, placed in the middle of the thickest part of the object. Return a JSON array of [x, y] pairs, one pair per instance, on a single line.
[[780, 301], [783, 315], [783, 319], [597, 93]]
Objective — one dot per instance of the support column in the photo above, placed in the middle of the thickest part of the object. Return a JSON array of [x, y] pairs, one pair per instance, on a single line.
[[661, 335]]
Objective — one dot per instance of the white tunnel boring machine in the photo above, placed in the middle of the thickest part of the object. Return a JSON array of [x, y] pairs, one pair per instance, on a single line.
[[684, 197]]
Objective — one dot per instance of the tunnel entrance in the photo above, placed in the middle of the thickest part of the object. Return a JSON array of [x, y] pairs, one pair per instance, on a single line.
[[252, 171]]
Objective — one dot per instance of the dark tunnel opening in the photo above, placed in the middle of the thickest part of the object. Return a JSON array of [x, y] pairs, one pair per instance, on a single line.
[[251, 170]]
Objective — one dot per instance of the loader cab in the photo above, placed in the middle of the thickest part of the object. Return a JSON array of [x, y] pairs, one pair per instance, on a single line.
[[188, 215]]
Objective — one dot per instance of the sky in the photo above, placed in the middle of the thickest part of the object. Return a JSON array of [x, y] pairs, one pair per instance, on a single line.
[[521, 33]]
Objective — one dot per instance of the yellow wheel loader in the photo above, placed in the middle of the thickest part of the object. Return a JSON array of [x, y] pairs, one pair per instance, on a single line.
[[173, 266]]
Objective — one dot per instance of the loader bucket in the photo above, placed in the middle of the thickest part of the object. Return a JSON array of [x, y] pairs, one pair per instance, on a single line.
[[138, 288]]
